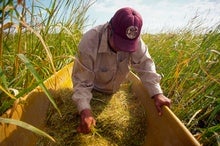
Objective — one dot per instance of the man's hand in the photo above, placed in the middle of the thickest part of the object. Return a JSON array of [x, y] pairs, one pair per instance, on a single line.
[[86, 121], [161, 100]]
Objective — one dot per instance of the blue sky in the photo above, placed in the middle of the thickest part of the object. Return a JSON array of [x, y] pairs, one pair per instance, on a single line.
[[159, 15]]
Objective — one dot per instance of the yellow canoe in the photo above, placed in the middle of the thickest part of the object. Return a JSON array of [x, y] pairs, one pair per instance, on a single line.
[[167, 130]]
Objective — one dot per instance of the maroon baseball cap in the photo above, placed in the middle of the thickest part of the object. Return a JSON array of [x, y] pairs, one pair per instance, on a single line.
[[126, 26]]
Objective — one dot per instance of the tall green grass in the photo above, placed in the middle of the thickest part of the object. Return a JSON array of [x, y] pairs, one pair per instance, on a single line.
[[36, 40], [188, 59], [46, 35], [189, 62]]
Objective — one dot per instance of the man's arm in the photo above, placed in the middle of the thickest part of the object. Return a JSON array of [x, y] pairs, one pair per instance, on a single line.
[[144, 66], [82, 77], [83, 81]]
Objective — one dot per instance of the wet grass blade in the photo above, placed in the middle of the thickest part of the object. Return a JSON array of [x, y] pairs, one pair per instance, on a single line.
[[26, 126], [39, 80]]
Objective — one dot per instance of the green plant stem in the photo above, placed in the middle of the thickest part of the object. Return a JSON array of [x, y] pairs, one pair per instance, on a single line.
[[1, 36], [18, 50]]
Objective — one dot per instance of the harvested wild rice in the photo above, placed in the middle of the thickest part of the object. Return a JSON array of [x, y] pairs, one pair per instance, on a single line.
[[120, 121]]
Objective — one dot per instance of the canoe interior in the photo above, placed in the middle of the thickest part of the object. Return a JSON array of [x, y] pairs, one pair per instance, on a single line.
[[166, 130]]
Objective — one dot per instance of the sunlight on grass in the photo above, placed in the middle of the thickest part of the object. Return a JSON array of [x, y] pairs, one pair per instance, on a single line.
[[39, 38], [187, 59], [189, 64], [39, 80]]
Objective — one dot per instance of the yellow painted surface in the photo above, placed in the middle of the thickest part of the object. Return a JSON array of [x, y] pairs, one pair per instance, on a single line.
[[166, 130]]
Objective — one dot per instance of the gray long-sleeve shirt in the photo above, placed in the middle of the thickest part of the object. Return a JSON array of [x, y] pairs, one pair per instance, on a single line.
[[98, 67]]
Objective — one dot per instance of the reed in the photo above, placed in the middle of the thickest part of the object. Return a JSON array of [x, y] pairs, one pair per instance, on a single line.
[[187, 59], [189, 62], [35, 42], [43, 34]]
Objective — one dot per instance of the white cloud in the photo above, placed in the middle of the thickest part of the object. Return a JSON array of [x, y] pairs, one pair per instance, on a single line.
[[160, 15]]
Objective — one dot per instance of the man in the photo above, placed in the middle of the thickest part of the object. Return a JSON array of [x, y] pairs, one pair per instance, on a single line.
[[106, 54]]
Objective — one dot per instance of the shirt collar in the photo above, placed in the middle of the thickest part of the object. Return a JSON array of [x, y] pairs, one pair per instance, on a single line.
[[104, 47]]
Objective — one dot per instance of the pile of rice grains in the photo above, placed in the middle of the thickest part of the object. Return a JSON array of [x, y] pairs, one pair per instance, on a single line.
[[120, 121]]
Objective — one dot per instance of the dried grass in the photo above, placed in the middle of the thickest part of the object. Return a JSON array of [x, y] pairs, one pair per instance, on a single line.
[[120, 121]]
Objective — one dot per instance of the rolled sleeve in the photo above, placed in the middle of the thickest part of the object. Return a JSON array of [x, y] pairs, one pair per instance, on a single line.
[[82, 99]]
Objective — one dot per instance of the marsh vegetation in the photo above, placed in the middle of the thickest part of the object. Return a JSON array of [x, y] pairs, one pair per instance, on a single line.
[[188, 59]]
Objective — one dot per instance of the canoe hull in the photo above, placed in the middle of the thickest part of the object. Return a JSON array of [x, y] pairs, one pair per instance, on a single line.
[[166, 130]]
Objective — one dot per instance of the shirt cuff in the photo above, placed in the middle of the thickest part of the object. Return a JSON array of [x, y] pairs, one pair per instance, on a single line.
[[82, 104], [154, 89]]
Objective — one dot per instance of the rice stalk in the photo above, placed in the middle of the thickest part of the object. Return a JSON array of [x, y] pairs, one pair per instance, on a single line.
[[1, 44], [193, 117], [7, 92], [190, 71], [2, 19], [18, 48], [39, 80], [43, 43], [120, 120]]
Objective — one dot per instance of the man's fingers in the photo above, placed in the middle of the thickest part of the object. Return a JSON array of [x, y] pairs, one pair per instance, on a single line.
[[169, 102], [89, 122], [94, 122], [159, 109], [85, 125], [161, 100]]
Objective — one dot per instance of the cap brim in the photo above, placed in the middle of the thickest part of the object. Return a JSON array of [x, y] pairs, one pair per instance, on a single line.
[[125, 44]]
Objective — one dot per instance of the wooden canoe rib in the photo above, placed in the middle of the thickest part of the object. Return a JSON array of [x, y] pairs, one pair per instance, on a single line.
[[166, 130]]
